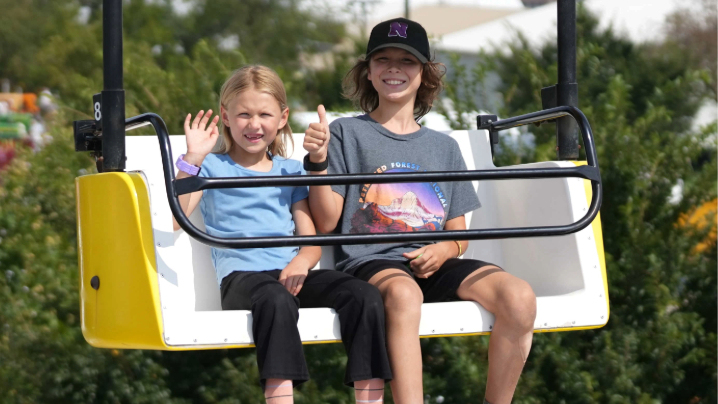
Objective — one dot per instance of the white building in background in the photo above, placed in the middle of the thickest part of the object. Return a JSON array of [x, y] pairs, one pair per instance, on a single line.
[[439, 17], [638, 20], [470, 25]]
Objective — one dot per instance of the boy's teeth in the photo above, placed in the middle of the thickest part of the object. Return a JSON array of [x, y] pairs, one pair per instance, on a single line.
[[393, 82]]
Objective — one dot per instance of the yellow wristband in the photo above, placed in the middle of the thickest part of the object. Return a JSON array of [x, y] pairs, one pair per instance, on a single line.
[[458, 244]]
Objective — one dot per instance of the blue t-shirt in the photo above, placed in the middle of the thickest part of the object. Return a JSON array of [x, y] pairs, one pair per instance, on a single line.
[[250, 212]]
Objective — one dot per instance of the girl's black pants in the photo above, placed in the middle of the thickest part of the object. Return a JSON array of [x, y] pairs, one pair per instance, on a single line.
[[275, 313]]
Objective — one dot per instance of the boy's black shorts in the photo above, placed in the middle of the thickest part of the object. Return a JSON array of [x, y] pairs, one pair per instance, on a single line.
[[439, 287]]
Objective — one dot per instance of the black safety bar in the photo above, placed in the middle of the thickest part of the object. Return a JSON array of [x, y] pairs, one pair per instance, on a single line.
[[192, 184]]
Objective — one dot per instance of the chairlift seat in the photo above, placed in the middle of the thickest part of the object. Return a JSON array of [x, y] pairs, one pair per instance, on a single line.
[[146, 286]]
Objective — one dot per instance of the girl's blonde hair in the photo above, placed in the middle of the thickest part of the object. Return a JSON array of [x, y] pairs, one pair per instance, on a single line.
[[358, 88], [260, 78]]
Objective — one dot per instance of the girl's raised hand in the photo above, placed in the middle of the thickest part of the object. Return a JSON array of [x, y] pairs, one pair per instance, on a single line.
[[201, 138], [316, 138]]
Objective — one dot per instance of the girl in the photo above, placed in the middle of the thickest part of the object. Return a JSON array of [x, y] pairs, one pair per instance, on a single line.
[[272, 282], [395, 84]]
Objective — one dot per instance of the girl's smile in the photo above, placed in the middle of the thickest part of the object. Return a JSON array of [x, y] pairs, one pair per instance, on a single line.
[[254, 137]]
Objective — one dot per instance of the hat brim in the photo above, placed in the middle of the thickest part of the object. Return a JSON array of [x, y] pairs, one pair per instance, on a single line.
[[405, 47]]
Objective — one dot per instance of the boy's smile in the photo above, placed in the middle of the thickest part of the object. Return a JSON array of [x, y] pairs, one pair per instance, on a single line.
[[395, 74], [394, 82]]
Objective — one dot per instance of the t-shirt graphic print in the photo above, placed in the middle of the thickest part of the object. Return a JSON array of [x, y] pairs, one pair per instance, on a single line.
[[403, 207]]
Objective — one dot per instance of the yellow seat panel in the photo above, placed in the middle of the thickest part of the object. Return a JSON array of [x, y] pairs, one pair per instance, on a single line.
[[116, 245]]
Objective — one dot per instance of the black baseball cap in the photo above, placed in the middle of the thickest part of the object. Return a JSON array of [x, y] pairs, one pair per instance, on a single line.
[[400, 33]]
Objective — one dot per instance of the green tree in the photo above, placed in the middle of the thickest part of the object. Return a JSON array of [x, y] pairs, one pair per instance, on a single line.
[[43, 354], [173, 64], [660, 343]]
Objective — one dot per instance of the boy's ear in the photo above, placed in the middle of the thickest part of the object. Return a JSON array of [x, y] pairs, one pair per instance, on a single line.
[[225, 117], [368, 67]]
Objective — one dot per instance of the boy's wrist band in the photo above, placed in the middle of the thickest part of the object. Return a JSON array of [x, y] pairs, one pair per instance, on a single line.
[[187, 167], [458, 244], [309, 166]]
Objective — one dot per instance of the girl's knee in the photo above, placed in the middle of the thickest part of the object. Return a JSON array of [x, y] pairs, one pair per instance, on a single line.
[[276, 298], [360, 295], [371, 298]]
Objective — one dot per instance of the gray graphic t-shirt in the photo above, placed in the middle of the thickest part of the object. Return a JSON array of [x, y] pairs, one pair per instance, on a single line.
[[362, 145]]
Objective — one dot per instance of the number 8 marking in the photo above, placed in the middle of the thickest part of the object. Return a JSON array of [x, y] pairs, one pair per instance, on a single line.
[[98, 112]]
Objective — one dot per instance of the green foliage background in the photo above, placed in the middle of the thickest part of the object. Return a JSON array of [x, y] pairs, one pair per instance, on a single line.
[[658, 347]]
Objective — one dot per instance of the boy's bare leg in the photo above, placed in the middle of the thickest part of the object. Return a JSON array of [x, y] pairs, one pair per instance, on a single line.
[[402, 307], [513, 302]]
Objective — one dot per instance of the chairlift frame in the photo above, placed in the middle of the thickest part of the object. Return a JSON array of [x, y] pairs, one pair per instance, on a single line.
[[192, 184]]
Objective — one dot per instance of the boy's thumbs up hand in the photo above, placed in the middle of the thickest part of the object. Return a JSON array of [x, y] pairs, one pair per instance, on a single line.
[[322, 115], [316, 138]]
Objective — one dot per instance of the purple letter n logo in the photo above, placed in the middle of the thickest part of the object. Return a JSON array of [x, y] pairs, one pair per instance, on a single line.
[[398, 29]]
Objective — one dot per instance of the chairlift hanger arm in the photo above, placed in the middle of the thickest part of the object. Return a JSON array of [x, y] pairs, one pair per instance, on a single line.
[[176, 187], [547, 115]]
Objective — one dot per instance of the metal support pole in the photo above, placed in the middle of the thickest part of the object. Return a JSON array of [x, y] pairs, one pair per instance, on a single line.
[[567, 88], [406, 9], [113, 95]]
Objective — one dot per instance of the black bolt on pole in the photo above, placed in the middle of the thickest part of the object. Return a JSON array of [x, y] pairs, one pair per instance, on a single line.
[[113, 95], [567, 87]]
